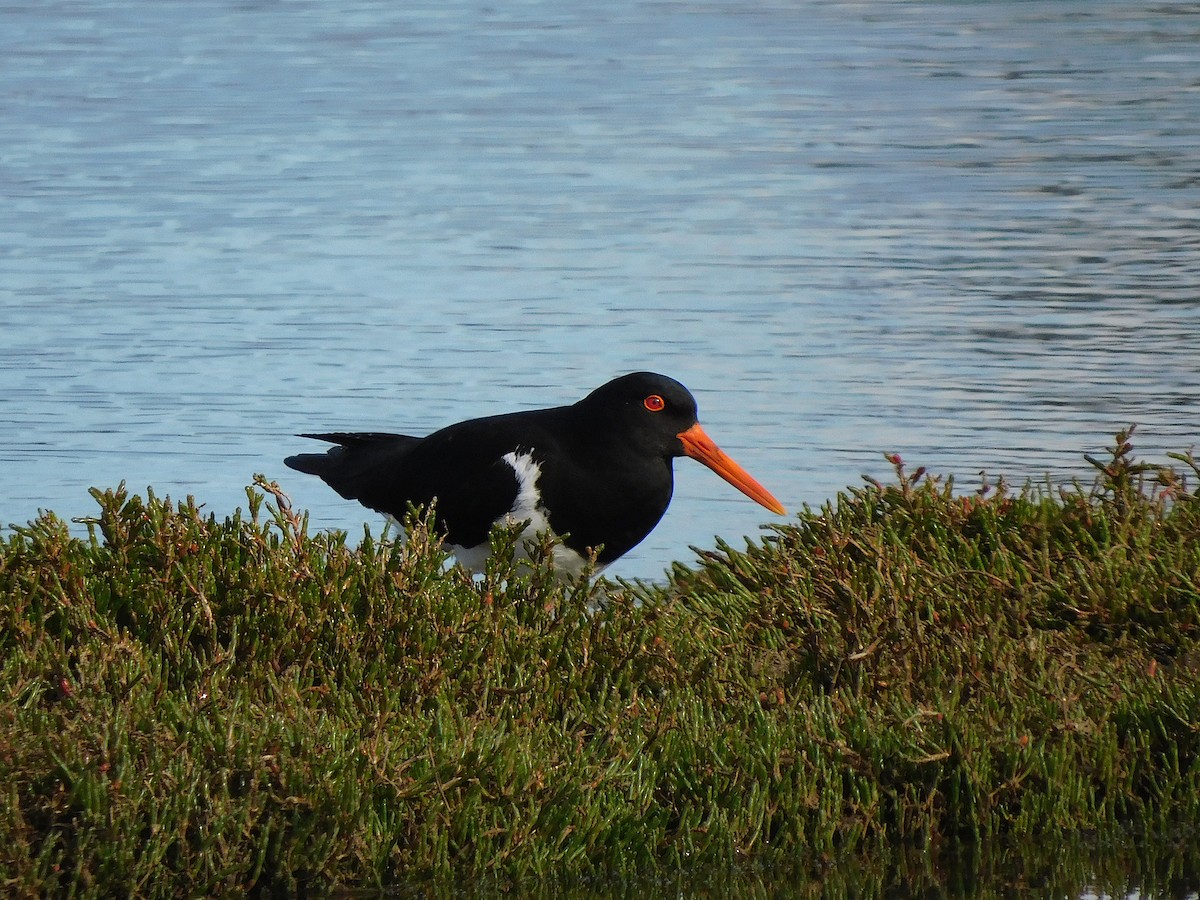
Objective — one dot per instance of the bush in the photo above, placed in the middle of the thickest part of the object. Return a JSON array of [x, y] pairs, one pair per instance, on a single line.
[[200, 706]]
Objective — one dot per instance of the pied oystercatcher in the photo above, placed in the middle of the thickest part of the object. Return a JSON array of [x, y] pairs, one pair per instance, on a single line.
[[598, 474]]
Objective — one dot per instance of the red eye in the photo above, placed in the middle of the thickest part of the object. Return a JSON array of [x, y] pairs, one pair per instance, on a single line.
[[654, 403]]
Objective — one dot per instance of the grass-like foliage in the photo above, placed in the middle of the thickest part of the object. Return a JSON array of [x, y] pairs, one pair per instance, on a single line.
[[194, 706]]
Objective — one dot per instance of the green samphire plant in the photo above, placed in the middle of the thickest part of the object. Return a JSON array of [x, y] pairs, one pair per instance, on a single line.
[[194, 706]]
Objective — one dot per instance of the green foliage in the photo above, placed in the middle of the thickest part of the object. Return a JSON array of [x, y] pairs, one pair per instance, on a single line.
[[201, 706]]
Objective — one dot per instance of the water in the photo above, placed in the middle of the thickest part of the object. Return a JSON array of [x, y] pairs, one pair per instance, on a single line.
[[964, 232]]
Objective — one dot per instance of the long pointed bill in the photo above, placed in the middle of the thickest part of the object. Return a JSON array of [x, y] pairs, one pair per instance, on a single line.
[[700, 447]]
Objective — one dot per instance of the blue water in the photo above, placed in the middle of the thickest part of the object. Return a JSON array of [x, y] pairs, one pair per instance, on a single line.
[[965, 232]]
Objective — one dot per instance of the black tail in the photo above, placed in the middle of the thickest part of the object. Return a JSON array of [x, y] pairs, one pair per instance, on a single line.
[[363, 465]]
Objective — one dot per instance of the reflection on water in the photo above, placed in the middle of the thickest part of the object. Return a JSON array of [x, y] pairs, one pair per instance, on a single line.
[[963, 232]]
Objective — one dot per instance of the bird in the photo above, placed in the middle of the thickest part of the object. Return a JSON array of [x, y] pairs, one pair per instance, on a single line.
[[597, 475]]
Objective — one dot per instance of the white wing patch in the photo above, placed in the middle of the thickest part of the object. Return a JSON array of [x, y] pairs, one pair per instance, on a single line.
[[526, 507], [528, 504]]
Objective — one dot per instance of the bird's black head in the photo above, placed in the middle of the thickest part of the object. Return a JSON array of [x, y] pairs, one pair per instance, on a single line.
[[647, 415], [643, 408]]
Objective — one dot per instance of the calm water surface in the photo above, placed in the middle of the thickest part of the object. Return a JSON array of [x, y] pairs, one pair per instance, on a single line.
[[965, 232]]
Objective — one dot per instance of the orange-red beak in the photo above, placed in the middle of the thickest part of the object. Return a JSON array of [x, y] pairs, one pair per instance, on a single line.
[[699, 446]]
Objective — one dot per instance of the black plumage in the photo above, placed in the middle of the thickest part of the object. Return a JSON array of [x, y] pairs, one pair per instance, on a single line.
[[598, 472]]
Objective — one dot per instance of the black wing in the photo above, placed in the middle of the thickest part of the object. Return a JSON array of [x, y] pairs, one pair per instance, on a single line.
[[363, 465], [471, 482]]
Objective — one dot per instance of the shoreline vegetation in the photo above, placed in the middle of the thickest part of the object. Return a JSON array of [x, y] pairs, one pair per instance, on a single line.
[[201, 707]]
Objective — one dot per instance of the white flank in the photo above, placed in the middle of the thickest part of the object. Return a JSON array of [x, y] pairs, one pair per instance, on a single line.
[[526, 507]]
